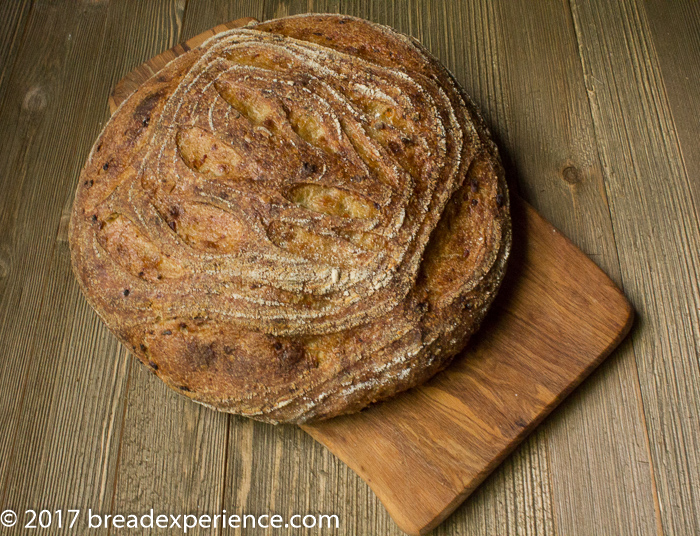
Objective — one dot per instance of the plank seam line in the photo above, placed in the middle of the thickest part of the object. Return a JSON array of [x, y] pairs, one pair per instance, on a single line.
[[182, 22], [121, 434], [577, 31], [548, 455], [225, 475]]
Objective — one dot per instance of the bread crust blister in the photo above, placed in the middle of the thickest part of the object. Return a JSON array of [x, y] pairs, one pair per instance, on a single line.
[[294, 220]]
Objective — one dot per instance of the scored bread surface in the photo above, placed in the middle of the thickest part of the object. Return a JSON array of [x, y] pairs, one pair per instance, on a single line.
[[294, 220]]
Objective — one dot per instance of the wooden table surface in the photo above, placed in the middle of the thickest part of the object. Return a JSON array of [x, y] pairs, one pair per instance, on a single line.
[[596, 108]]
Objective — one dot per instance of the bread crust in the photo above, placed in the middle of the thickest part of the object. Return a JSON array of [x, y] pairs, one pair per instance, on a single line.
[[294, 220]]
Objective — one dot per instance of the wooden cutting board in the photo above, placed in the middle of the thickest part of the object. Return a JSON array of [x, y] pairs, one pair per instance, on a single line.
[[556, 318]]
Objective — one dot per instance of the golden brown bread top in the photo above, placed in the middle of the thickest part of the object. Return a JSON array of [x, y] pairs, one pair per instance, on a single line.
[[266, 222]]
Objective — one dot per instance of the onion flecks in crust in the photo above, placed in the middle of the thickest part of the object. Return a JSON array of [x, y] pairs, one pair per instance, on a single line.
[[294, 220]]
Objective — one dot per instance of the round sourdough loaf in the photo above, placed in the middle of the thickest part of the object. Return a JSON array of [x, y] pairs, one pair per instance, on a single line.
[[294, 220]]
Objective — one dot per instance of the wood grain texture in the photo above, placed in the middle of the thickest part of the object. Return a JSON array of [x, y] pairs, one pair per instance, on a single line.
[[656, 229], [13, 19], [587, 470], [158, 28], [70, 434], [675, 30], [131, 82], [203, 15], [545, 127]]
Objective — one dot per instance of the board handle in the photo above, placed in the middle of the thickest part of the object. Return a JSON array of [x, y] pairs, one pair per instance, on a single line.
[[132, 81]]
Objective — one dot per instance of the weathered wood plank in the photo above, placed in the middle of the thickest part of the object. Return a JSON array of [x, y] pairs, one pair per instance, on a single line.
[[202, 15], [675, 28], [67, 433], [171, 455], [135, 78], [540, 100], [13, 19], [656, 230]]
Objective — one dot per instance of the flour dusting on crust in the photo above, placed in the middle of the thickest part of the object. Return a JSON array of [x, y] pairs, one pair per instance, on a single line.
[[294, 220]]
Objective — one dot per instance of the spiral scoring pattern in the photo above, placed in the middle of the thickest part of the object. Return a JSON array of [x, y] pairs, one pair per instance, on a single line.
[[253, 221], [300, 168]]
